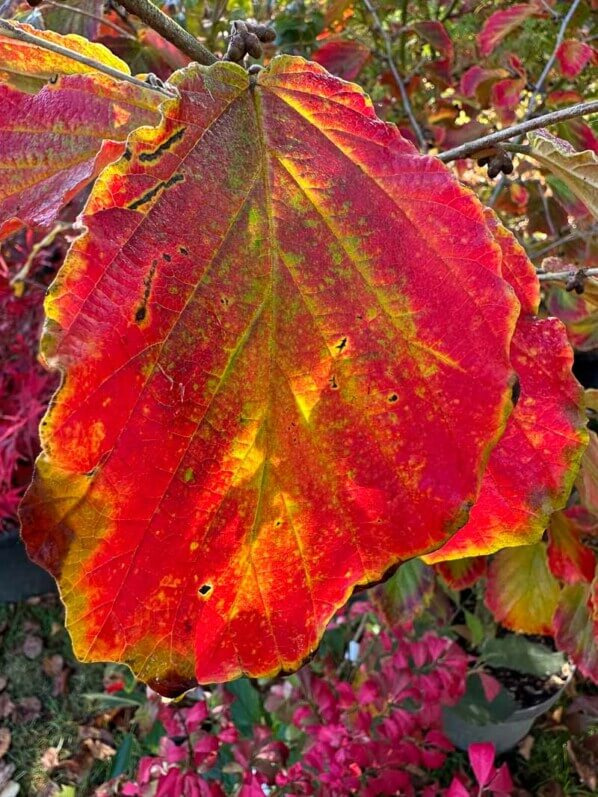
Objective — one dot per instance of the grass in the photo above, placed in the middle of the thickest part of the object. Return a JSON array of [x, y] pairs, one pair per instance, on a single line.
[[549, 763], [61, 715]]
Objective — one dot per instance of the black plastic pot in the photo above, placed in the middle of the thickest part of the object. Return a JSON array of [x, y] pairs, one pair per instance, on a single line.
[[19, 577]]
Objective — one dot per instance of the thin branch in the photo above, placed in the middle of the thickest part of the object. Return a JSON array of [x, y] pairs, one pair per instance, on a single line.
[[565, 239], [104, 20], [168, 28], [550, 276], [538, 88], [465, 150], [17, 33], [423, 144]]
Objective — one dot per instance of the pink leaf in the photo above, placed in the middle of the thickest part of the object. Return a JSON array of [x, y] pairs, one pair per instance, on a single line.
[[573, 56], [457, 789], [490, 686], [502, 782], [501, 23], [481, 758]]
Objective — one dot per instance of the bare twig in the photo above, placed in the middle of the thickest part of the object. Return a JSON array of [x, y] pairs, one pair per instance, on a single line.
[[533, 102], [423, 144], [167, 27], [564, 239], [15, 32], [104, 20], [550, 276], [465, 150]]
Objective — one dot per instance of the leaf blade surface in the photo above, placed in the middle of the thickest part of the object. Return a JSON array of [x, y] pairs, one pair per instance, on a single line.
[[254, 360]]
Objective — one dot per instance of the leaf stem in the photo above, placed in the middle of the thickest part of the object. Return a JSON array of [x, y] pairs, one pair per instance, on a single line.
[[14, 32], [465, 150], [170, 30], [423, 144]]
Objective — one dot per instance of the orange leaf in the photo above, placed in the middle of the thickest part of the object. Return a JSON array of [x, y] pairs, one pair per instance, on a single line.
[[285, 344]]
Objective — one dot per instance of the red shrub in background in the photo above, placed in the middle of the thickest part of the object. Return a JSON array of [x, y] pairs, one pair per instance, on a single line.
[[368, 727], [25, 385]]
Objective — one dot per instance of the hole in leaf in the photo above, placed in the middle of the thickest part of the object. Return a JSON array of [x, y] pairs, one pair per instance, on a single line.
[[167, 257], [340, 346], [516, 392], [140, 314], [333, 382], [393, 397], [183, 250], [205, 590]]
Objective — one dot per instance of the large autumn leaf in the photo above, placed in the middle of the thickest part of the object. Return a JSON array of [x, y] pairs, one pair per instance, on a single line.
[[521, 592], [285, 344], [531, 471], [57, 130]]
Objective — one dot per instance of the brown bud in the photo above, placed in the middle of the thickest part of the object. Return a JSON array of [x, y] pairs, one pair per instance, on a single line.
[[265, 33], [252, 45]]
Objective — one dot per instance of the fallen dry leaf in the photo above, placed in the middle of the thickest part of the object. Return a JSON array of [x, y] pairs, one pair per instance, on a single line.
[[582, 713], [32, 646], [6, 705], [5, 738], [583, 754], [11, 789], [28, 709], [54, 668], [525, 747], [93, 732], [98, 750], [6, 771], [49, 760]]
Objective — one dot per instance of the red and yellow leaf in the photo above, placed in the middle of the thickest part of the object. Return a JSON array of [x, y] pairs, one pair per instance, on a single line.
[[576, 628], [57, 139], [501, 23], [531, 471], [573, 56], [578, 313], [569, 559], [521, 592], [587, 481], [462, 573], [20, 60], [345, 58], [271, 388]]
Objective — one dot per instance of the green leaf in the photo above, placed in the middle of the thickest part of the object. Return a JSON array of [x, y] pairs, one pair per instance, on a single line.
[[247, 709], [122, 759], [407, 593], [475, 707], [476, 629], [520, 654], [119, 700]]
